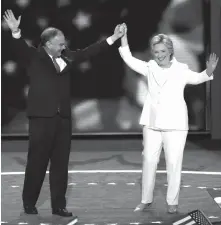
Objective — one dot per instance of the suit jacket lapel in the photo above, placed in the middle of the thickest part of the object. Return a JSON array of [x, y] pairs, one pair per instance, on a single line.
[[156, 70], [160, 79], [46, 58]]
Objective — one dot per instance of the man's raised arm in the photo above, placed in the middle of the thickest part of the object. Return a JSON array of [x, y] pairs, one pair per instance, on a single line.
[[96, 48], [21, 48]]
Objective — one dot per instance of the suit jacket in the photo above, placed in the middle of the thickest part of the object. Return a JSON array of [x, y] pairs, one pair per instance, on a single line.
[[49, 90], [164, 107]]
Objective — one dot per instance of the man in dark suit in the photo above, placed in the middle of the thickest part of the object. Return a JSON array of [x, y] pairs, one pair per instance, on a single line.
[[49, 110]]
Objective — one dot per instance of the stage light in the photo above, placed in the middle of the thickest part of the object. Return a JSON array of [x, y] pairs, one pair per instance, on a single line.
[[10, 67], [23, 3], [42, 22], [82, 20], [63, 3], [84, 66]]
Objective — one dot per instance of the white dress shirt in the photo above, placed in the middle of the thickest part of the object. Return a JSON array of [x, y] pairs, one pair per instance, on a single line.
[[164, 107], [62, 64]]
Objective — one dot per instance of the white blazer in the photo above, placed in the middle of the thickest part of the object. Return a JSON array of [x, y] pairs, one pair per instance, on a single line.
[[164, 107]]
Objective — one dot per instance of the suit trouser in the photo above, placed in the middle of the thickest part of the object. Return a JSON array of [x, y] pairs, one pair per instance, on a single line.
[[49, 140], [173, 143]]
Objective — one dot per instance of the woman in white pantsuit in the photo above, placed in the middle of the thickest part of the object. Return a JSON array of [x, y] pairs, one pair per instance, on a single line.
[[164, 116]]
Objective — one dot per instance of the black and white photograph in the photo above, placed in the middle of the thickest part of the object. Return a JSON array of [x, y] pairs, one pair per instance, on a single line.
[[110, 112]]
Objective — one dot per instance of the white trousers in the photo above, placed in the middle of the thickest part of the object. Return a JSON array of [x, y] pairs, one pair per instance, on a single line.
[[173, 143]]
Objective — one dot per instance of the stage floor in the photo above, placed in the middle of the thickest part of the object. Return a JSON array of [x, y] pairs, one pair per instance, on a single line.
[[104, 185]]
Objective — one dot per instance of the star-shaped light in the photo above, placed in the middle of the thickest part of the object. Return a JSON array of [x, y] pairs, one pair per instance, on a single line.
[[23, 3], [84, 66], [82, 20], [42, 22], [26, 90], [9, 67], [63, 3]]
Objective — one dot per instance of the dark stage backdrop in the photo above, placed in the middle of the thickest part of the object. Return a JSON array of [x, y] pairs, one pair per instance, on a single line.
[[106, 95]]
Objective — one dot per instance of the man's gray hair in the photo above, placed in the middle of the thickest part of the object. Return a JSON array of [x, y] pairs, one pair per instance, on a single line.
[[48, 34]]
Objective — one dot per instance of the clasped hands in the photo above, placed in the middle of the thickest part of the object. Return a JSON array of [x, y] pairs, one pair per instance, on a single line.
[[119, 31]]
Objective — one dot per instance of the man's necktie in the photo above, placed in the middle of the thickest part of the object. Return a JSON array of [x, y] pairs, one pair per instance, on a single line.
[[57, 67]]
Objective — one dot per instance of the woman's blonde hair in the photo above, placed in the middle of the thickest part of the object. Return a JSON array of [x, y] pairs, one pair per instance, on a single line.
[[162, 38]]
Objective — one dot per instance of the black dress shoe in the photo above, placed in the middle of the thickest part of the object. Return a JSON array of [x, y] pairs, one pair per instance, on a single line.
[[30, 209], [62, 212]]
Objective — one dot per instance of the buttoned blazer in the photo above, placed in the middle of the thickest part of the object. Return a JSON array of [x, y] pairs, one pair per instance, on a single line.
[[164, 106]]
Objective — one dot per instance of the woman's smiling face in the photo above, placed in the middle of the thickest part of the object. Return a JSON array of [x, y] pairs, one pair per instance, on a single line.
[[161, 54]]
